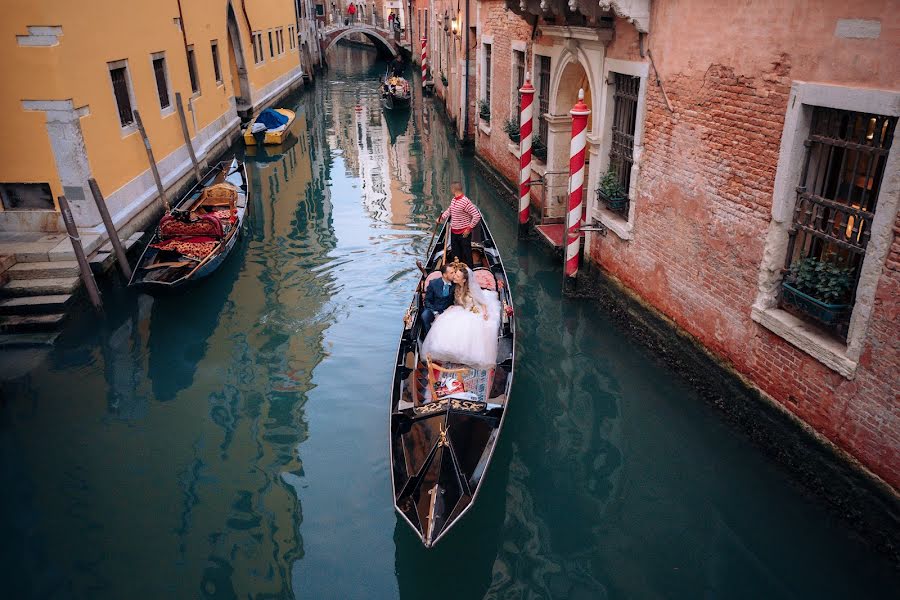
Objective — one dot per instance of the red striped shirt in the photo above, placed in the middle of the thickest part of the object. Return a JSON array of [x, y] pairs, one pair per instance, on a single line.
[[463, 214]]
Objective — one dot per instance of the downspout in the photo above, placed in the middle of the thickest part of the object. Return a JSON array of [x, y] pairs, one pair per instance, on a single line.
[[183, 30], [466, 110], [246, 18]]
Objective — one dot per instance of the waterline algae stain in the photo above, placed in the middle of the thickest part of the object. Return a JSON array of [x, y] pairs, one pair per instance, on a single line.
[[231, 442]]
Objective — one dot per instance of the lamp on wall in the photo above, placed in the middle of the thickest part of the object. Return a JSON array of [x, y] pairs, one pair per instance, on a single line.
[[446, 21], [454, 25]]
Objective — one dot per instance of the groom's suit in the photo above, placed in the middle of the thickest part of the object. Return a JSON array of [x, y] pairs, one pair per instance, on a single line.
[[438, 298]]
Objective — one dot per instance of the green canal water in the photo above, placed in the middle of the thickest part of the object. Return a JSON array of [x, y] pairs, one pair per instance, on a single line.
[[232, 442]]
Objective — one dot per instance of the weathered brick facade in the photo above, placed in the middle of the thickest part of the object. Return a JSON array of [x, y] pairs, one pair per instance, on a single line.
[[704, 193]]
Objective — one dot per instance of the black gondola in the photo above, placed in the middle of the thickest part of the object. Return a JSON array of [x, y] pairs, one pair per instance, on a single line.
[[195, 236], [442, 445], [396, 92]]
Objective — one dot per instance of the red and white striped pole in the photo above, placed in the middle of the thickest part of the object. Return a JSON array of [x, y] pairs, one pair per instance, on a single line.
[[526, 129], [424, 62], [579, 114]]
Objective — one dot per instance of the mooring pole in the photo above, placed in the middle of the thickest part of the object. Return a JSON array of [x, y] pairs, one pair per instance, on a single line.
[[159, 185], [86, 275], [579, 114], [187, 135], [110, 229]]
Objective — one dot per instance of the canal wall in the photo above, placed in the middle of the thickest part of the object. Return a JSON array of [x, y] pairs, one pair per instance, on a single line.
[[850, 490]]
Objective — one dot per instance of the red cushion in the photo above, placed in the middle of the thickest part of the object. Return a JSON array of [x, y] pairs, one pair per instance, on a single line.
[[485, 279]]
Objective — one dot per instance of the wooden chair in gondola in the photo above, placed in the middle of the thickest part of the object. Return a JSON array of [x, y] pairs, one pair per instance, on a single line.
[[433, 368]]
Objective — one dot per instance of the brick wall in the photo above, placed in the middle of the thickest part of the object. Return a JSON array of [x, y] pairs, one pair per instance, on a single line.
[[704, 206]]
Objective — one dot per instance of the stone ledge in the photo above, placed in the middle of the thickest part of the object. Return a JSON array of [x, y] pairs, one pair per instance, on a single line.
[[615, 223], [798, 333]]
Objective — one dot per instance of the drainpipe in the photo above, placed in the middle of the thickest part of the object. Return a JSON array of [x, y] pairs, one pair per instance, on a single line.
[[466, 110]]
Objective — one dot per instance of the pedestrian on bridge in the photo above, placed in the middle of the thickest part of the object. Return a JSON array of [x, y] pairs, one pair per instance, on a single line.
[[351, 10]]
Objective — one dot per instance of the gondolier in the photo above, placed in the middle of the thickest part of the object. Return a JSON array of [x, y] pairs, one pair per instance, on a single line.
[[464, 216]]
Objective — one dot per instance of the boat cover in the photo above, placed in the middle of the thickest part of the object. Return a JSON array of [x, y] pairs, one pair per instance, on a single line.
[[271, 118]]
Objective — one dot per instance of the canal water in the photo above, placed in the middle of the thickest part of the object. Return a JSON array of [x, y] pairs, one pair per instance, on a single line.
[[232, 442]]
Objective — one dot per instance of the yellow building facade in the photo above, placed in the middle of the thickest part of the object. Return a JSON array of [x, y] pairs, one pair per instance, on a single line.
[[75, 72]]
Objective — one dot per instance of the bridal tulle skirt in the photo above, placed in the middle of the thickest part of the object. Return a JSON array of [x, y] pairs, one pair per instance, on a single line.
[[459, 335]]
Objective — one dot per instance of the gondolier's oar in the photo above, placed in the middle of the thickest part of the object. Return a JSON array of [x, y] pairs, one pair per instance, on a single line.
[[447, 241], [433, 234]]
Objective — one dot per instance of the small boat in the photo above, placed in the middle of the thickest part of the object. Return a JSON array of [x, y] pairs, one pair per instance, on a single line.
[[395, 92], [270, 133], [446, 418], [196, 235]]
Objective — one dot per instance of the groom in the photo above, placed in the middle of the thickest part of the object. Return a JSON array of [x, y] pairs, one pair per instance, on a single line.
[[438, 296]]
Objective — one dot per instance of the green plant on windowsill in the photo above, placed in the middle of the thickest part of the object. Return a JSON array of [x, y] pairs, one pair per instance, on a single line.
[[444, 81], [511, 128], [611, 192], [484, 111], [819, 287], [538, 149]]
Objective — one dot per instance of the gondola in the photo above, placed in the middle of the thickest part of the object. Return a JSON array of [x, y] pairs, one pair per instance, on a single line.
[[396, 93], [446, 418], [196, 235]]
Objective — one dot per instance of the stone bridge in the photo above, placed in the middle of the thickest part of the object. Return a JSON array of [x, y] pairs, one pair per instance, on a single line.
[[384, 39]]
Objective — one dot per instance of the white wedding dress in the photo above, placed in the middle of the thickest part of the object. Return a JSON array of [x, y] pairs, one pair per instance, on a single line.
[[461, 334]]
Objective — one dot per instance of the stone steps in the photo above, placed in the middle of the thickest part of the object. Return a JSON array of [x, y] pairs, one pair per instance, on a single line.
[[27, 340], [40, 287], [43, 270], [31, 323], [32, 305]]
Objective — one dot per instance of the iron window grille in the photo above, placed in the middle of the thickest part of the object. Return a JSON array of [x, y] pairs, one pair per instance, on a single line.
[[621, 153], [487, 76], [26, 196], [519, 70], [258, 55], [162, 86], [836, 202], [119, 78], [192, 69], [271, 45], [214, 46], [543, 104]]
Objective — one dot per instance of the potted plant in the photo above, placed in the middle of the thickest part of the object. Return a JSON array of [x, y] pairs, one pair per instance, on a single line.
[[819, 287], [611, 192], [538, 149], [511, 128], [444, 79], [484, 111]]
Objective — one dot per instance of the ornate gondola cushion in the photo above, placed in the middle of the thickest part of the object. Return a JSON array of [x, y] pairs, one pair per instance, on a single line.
[[190, 247], [223, 194], [485, 279], [204, 225]]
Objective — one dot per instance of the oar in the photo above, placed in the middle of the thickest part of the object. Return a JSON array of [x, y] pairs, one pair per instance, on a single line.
[[433, 234]]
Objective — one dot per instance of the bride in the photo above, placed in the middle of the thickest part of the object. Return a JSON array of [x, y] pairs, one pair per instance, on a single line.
[[466, 332]]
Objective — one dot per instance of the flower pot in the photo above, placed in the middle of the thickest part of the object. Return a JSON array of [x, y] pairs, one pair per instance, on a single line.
[[614, 203], [514, 137], [826, 313]]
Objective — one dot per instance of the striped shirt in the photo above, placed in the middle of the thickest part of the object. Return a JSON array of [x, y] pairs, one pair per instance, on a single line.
[[463, 214]]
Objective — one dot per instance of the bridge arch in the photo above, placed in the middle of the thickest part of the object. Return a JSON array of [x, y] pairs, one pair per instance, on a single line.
[[382, 43]]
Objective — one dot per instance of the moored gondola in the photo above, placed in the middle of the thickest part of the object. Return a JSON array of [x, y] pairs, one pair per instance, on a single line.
[[196, 235], [446, 418]]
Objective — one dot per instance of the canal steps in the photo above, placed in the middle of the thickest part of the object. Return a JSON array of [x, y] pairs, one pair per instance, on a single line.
[[40, 282]]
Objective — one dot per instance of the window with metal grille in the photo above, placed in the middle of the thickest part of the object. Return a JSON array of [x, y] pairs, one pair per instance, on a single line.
[[836, 202], [192, 69], [26, 196], [487, 75], [119, 78], [621, 151], [214, 46], [543, 72], [518, 78], [162, 84]]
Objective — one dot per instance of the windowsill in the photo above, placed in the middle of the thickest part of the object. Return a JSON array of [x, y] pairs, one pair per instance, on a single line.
[[484, 126], [220, 84], [800, 334], [538, 166], [169, 110], [129, 129], [616, 223], [195, 95], [514, 149]]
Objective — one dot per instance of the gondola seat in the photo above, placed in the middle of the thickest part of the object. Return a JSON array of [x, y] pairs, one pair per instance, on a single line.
[[485, 279], [206, 226]]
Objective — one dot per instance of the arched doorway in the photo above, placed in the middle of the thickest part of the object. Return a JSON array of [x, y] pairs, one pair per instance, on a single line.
[[238, 66]]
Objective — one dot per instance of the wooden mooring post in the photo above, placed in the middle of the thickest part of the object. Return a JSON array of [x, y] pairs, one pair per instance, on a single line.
[[122, 259], [159, 185], [187, 135], [86, 274]]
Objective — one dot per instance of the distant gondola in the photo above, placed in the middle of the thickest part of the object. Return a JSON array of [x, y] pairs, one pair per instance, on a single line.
[[196, 235], [395, 92], [443, 436]]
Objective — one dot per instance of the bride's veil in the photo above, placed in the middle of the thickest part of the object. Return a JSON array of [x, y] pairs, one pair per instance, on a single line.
[[485, 298]]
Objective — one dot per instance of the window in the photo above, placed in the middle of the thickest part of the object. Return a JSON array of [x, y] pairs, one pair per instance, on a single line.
[[214, 46], [621, 151], [271, 45], [518, 78], [26, 196], [487, 75], [192, 69], [118, 73], [258, 55], [543, 72], [846, 152], [292, 37], [162, 83]]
